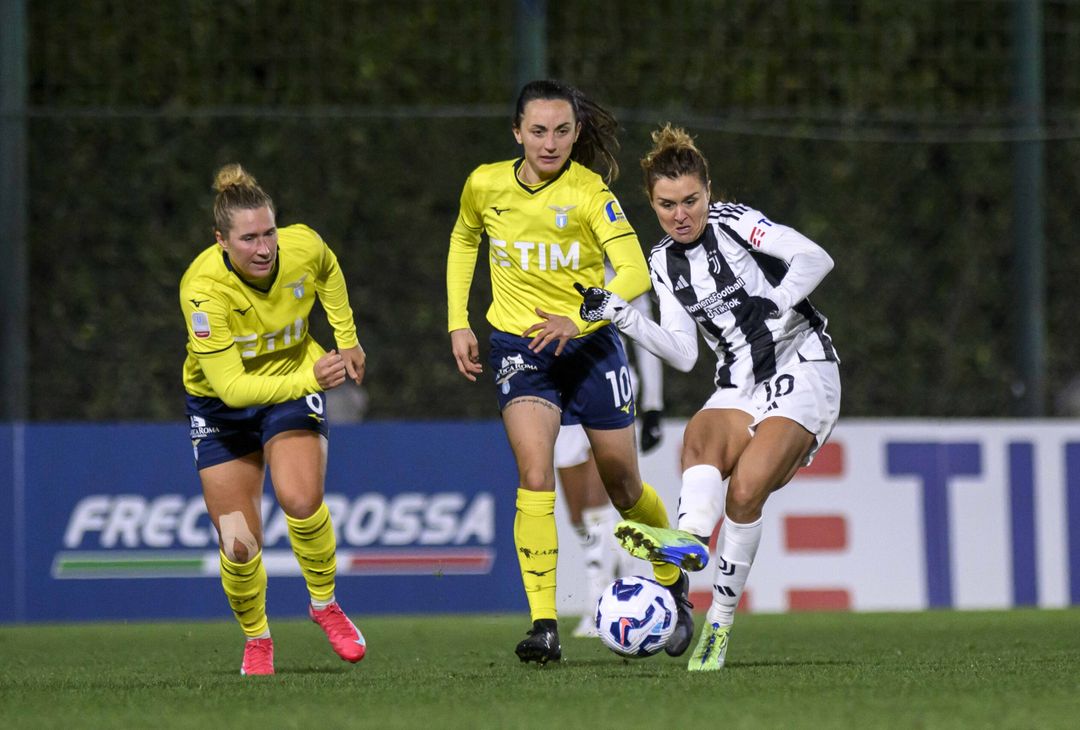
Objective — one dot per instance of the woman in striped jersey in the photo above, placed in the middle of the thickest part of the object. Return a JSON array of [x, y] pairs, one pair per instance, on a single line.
[[742, 280]]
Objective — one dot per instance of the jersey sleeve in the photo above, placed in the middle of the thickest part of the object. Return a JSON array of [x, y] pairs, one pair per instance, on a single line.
[[631, 278], [621, 246], [674, 340], [225, 373], [461, 260], [808, 263], [650, 369], [334, 295]]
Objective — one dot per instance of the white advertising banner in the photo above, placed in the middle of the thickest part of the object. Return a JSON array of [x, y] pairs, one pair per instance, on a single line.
[[900, 515]]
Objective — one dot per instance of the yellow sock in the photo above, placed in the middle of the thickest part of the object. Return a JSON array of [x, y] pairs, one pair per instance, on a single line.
[[649, 510], [315, 548], [245, 587], [537, 544]]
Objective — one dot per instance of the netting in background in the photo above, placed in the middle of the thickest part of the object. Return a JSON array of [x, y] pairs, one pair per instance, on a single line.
[[880, 129]]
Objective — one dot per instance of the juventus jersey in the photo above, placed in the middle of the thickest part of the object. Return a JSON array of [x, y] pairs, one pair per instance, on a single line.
[[541, 240], [704, 286]]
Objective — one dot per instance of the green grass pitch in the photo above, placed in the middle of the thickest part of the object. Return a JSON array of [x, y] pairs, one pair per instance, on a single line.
[[936, 669]]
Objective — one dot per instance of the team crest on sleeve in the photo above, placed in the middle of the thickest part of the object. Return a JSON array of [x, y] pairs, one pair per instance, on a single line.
[[613, 211], [200, 324], [562, 214]]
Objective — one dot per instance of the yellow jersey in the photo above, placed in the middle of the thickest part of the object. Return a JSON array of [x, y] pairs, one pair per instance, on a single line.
[[249, 346], [541, 239]]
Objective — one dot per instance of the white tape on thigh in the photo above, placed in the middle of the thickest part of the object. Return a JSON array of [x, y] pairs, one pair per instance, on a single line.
[[234, 528]]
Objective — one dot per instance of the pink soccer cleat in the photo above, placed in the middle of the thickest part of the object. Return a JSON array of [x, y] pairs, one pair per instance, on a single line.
[[346, 640], [258, 657]]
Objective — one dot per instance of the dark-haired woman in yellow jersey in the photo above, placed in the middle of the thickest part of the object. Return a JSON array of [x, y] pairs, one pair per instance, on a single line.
[[255, 378], [550, 222]]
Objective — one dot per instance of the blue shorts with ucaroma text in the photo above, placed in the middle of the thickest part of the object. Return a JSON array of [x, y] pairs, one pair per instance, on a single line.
[[220, 433], [589, 381]]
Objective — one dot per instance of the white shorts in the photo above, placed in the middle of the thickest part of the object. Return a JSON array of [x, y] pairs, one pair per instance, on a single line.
[[806, 392], [571, 446]]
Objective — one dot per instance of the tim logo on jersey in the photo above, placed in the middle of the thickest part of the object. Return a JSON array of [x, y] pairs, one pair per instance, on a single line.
[[536, 255]]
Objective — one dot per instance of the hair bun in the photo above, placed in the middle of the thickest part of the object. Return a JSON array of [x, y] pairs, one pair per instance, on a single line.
[[232, 175]]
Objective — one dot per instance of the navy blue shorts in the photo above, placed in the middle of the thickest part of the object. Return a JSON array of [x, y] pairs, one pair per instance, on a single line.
[[220, 433], [589, 381]]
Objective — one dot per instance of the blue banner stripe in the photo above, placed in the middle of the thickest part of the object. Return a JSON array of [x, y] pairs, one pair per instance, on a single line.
[[935, 463], [1022, 514], [1072, 509]]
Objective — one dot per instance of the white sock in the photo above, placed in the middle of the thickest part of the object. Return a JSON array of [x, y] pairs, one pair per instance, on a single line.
[[735, 552], [321, 605], [701, 500], [600, 551]]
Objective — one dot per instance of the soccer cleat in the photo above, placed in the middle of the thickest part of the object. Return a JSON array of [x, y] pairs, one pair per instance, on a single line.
[[258, 657], [662, 545], [711, 649], [542, 644], [586, 627], [684, 628], [346, 640]]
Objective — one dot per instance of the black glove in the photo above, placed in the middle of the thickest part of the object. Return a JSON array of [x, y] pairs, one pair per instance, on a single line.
[[758, 308], [599, 304], [651, 435]]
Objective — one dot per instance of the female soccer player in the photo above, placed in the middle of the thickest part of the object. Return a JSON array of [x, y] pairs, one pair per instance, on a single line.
[[743, 280], [550, 222], [254, 378]]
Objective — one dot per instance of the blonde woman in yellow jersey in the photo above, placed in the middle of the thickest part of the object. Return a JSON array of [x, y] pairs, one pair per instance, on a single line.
[[550, 221], [255, 378]]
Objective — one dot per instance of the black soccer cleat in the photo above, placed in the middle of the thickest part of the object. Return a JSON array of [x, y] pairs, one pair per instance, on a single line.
[[542, 644], [684, 628]]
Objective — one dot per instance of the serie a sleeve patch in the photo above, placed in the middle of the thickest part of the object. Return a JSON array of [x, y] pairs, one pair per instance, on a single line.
[[200, 325]]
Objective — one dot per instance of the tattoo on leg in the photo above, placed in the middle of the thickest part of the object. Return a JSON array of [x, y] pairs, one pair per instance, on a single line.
[[531, 399]]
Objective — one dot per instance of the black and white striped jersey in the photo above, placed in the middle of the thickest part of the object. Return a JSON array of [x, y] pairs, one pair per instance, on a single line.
[[706, 284]]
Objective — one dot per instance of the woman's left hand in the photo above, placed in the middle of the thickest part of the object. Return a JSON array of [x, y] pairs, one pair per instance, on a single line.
[[355, 362], [553, 327]]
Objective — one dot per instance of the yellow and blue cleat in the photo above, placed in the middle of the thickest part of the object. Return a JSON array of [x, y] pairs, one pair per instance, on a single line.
[[662, 545], [711, 649]]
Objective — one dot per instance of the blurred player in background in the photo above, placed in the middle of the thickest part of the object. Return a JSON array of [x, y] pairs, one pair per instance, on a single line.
[[587, 504], [743, 280], [551, 221], [255, 379]]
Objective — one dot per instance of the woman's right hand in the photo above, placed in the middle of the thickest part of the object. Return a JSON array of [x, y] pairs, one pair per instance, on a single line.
[[466, 353], [330, 370]]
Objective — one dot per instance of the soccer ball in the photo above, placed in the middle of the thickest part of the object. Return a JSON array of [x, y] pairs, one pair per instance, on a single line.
[[635, 616]]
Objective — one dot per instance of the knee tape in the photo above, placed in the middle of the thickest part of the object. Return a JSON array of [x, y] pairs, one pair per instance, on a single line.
[[234, 529]]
